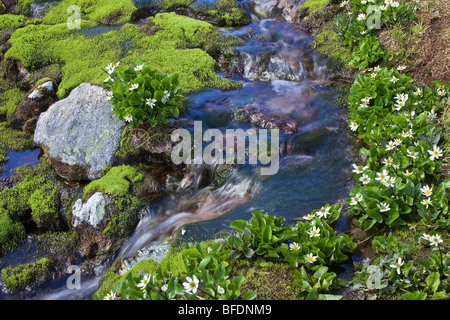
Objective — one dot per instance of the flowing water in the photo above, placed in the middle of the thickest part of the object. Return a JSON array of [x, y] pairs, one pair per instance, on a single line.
[[280, 75]]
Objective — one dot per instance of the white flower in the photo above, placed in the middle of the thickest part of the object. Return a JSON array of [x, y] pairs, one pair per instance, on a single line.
[[407, 173], [436, 153], [398, 141], [151, 102], [395, 166], [401, 68], [164, 287], [353, 126], [388, 2], [382, 175], [390, 146], [412, 154], [323, 212], [426, 202], [373, 75], [363, 1], [441, 92], [144, 282], [383, 7], [314, 232], [110, 296], [109, 95], [364, 179], [111, 68], [308, 217], [361, 17], [388, 182], [397, 265], [426, 236], [343, 3], [394, 79], [435, 240], [377, 68], [166, 95], [220, 290], [363, 105], [356, 199], [359, 169], [388, 161], [363, 32], [383, 206], [139, 68], [294, 246], [365, 100], [128, 118], [418, 92], [311, 258], [426, 191], [191, 284], [134, 86], [395, 4]]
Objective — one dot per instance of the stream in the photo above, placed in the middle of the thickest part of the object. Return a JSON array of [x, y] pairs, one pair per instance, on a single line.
[[281, 75]]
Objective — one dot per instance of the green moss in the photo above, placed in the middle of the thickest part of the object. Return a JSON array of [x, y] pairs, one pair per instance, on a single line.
[[9, 101], [116, 181], [59, 241], [24, 6], [26, 275], [313, 5], [83, 57], [270, 280], [41, 81], [173, 261], [15, 139], [167, 4], [228, 13], [101, 11], [35, 190], [44, 204], [12, 21], [12, 233], [327, 42]]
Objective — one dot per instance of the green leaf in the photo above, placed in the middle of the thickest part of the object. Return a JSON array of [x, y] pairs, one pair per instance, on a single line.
[[433, 281], [249, 295], [239, 225], [267, 234]]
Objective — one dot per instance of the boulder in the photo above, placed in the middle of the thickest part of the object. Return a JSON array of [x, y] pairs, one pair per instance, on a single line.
[[80, 134]]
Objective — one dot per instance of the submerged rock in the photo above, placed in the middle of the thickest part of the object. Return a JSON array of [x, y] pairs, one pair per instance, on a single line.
[[265, 119], [80, 134]]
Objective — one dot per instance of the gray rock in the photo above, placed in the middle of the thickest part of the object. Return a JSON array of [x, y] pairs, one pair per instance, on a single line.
[[38, 92], [92, 212], [80, 133]]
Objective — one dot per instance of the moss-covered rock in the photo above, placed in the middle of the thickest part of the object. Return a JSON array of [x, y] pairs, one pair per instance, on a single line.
[[117, 181], [12, 233], [28, 275], [175, 48], [101, 11], [34, 200], [227, 13]]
